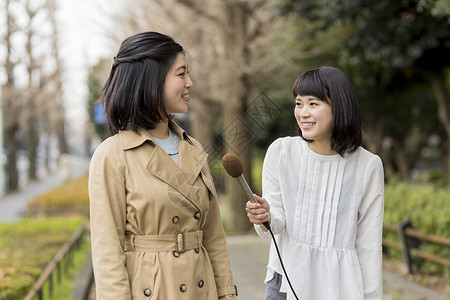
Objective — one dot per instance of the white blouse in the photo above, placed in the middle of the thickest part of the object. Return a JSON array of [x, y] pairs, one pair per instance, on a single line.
[[327, 216]]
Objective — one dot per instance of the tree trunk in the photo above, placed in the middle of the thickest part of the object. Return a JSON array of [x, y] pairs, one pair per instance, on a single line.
[[401, 159], [32, 141], [237, 133], [201, 117], [446, 160], [443, 101], [62, 141], [10, 108], [11, 145], [375, 143]]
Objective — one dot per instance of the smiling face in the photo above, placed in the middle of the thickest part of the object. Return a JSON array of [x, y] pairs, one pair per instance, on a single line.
[[315, 119], [176, 86]]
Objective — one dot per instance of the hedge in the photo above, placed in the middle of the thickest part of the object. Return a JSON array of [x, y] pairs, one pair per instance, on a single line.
[[428, 208], [26, 247]]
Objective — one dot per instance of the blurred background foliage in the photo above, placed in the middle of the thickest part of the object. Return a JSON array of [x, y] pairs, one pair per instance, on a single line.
[[396, 53]]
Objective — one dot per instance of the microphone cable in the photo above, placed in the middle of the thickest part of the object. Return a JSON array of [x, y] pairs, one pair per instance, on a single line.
[[266, 224], [232, 164]]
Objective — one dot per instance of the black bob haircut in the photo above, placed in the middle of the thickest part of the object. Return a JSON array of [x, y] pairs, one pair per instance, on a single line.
[[331, 85], [133, 94]]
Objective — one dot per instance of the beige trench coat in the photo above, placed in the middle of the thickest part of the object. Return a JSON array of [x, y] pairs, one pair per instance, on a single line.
[[156, 228]]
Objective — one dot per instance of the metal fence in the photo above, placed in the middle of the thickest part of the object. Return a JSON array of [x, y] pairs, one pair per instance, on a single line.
[[59, 264]]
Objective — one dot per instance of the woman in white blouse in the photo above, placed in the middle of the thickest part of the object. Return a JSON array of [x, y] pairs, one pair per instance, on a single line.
[[323, 195]]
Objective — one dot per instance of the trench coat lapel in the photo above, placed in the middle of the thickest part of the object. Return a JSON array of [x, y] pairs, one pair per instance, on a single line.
[[181, 177]]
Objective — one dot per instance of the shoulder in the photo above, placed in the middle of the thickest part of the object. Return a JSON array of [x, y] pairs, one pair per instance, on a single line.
[[110, 149], [283, 147], [368, 158], [285, 143], [368, 165]]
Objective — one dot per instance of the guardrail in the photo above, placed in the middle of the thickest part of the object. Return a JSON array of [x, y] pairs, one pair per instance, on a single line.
[[411, 240], [60, 263]]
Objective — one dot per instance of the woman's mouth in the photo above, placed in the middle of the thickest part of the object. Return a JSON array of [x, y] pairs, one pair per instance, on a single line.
[[307, 125], [185, 97]]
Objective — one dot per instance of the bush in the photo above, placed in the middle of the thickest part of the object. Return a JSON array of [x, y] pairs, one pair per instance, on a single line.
[[70, 198], [428, 209], [26, 247]]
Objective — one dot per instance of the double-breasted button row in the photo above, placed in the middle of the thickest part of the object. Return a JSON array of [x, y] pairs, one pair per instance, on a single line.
[[147, 292], [183, 287], [197, 215]]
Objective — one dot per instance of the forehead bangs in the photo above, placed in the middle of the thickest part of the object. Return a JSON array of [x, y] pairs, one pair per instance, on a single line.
[[310, 84]]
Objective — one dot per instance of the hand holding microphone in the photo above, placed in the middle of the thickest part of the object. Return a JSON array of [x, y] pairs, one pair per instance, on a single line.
[[233, 166]]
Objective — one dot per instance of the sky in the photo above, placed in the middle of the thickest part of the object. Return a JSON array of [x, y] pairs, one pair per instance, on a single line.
[[82, 44]]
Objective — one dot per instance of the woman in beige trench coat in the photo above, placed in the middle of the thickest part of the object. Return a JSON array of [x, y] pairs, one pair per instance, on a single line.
[[156, 228]]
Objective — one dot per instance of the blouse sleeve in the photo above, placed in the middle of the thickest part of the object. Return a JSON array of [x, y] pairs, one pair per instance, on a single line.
[[107, 218], [370, 228], [272, 191]]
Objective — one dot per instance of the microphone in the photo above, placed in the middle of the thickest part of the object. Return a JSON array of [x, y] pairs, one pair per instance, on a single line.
[[232, 164]]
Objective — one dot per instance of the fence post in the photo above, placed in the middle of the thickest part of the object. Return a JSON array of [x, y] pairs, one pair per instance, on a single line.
[[50, 285], [407, 244]]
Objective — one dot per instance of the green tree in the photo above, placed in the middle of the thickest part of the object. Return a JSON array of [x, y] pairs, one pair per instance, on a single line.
[[391, 45]]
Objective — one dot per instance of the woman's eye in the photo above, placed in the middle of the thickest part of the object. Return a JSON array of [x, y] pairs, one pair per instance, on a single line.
[[182, 74], [298, 104]]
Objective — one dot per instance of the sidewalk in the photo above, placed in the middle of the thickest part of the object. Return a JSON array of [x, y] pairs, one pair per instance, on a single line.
[[249, 255], [13, 205]]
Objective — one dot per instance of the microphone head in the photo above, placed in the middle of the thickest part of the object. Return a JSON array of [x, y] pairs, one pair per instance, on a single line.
[[232, 164]]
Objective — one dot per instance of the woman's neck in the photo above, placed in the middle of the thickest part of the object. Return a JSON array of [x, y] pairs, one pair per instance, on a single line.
[[161, 131]]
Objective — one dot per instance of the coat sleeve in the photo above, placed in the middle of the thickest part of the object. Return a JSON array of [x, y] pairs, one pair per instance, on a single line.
[[370, 229], [214, 241], [107, 218]]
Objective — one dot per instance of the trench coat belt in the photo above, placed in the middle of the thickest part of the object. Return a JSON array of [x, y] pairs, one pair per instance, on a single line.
[[180, 242]]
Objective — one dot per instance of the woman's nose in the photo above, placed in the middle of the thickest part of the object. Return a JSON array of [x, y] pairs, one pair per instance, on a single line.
[[188, 84], [304, 112]]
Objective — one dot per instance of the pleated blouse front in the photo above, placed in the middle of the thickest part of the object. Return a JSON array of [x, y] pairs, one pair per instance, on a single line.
[[326, 213]]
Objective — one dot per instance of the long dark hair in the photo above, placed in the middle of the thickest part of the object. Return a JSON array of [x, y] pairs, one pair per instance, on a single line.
[[331, 85], [133, 94]]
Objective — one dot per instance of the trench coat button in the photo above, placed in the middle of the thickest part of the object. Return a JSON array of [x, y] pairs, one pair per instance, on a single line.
[[147, 292], [176, 254], [197, 215], [201, 283], [183, 288], [175, 219], [197, 250]]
